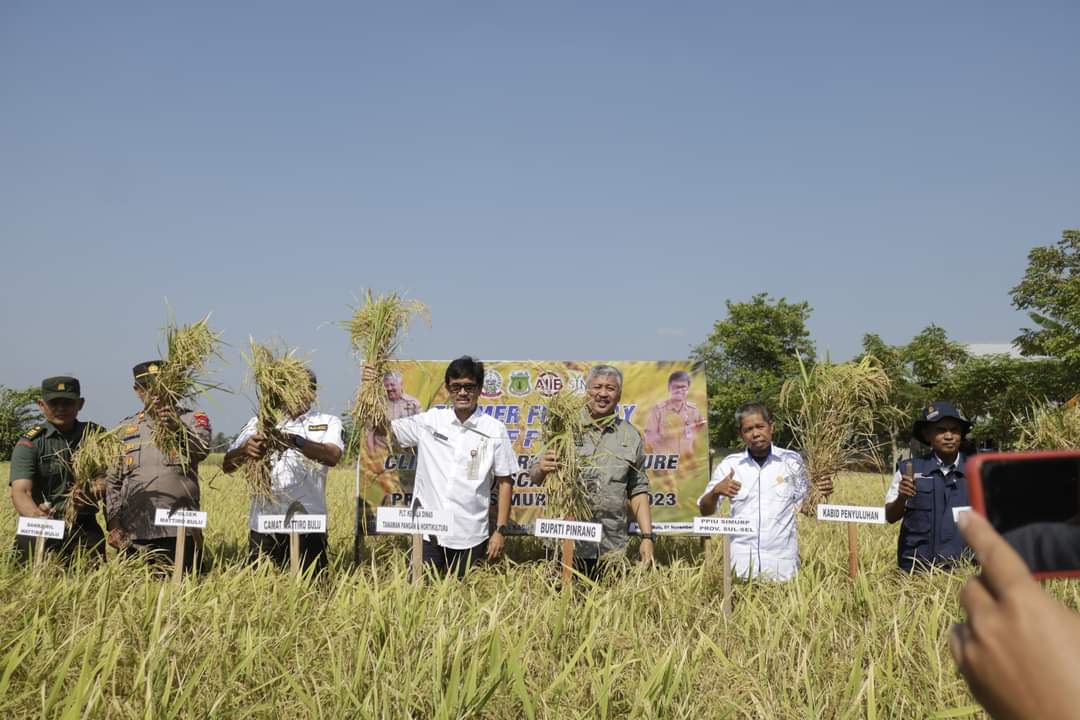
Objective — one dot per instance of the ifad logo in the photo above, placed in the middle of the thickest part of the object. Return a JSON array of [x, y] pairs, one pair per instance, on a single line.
[[549, 384], [493, 384]]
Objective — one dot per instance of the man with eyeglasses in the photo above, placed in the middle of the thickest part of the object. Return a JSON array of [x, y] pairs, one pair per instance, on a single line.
[[459, 452], [41, 476]]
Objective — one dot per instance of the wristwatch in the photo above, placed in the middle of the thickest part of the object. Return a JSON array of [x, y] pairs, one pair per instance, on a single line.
[[649, 536], [299, 441], [502, 530]]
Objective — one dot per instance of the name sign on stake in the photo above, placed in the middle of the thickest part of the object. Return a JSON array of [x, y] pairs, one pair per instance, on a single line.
[[724, 526], [297, 524], [851, 513], [180, 518], [404, 521], [41, 527], [568, 530], [665, 528]]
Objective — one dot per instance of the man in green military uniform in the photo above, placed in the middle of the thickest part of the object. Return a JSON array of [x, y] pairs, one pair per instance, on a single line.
[[149, 478], [41, 476], [612, 458]]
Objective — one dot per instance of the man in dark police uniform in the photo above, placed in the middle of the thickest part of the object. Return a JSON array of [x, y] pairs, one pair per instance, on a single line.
[[41, 476], [150, 478]]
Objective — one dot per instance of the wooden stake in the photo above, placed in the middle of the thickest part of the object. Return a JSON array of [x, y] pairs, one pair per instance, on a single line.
[[726, 604], [178, 561], [416, 564], [294, 553], [567, 565], [39, 551], [852, 549]]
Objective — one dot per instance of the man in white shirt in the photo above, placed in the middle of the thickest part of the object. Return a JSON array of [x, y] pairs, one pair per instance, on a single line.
[[459, 452], [766, 484], [298, 476]]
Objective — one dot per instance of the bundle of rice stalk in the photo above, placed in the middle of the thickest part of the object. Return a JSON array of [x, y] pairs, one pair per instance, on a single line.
[[99, 454], [1049, 426], [283, 391], [564, 426], [180, 379], [831, 410], [374, 331]]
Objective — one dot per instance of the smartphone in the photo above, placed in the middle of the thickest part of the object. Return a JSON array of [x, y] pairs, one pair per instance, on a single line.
[[1033, 500]]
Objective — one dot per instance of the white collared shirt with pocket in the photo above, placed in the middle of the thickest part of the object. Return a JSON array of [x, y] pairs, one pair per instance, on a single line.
[[295, 477], [455, 465]]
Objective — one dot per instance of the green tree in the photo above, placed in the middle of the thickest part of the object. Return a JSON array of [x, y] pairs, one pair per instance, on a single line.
[[747, 357], [931, 356], [18, 412], [1050, 293]]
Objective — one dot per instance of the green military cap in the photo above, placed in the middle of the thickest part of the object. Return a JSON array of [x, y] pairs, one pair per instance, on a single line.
[[146, 370], [61, 386]]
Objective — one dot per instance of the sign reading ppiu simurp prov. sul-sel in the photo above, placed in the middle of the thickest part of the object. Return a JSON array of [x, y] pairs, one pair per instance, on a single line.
[[666, 401]]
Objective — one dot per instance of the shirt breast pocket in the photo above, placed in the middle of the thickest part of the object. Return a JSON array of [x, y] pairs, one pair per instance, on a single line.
[[131, 457], [920, 507]]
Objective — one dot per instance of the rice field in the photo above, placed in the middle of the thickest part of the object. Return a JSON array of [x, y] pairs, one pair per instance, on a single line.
[[114, 642]]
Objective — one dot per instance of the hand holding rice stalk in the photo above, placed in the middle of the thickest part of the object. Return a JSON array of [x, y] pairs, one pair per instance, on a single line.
[[374, 333], [1048, 426], [180, 379], [284, 391], [564, 426], [99, 454], [832, 411]]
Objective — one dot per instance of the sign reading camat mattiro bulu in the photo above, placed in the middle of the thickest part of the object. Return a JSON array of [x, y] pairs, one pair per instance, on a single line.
[[666, 401]]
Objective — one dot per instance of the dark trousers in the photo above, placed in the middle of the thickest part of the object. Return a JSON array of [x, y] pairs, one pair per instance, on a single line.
[[276, 547], [444, 559], [162, 551], [82, 536]]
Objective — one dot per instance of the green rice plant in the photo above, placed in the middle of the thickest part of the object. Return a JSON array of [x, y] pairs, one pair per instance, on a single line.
[[375, 331], [562, 433], [283, 390], [1049, 426], [99, 454], [832, 410], [180, 378]]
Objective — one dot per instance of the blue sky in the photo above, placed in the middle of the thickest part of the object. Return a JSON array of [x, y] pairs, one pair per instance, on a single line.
[[554, 180]]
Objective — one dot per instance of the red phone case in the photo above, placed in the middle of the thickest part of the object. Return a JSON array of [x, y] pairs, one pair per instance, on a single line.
[[973, 472]]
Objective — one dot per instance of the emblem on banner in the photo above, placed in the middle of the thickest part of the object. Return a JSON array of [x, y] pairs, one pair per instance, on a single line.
[[549, 384], [493, 384], [520, 382], [576, 383]]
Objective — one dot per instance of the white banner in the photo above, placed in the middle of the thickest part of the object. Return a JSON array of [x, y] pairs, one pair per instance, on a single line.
[[957, 510], [852, 513], [41, 527], [568, 530], [272, 524], [665, 528], [403, 521], [713, 525], [180, 518]]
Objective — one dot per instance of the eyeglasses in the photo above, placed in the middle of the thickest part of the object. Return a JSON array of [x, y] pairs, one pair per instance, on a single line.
[[456, 388]]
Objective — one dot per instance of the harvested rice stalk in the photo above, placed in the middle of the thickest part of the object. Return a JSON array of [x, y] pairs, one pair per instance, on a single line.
[[831, 411], [100, 453], [180, 379], [374, 333], [564, 426], [283, 389], [1049, 426]]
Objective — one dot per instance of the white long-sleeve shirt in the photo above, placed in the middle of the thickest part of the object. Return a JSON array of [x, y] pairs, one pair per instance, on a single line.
[[770, 496]]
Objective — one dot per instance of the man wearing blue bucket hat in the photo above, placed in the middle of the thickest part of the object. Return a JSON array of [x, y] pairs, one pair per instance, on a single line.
[[926, 490]]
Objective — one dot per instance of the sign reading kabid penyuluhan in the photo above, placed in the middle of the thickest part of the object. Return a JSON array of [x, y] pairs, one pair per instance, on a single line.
[[270, 524], [180, 518], [851, 513], [41, 527], [568, 530], [406, 521], [724, 526]]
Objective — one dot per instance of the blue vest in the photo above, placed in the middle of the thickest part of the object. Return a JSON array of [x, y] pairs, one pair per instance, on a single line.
[[928, 533]]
